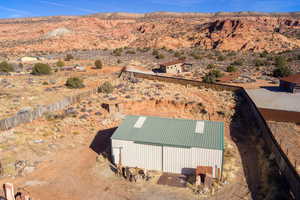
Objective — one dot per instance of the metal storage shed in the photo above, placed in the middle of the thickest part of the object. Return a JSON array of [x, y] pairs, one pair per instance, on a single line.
[[169, 145]]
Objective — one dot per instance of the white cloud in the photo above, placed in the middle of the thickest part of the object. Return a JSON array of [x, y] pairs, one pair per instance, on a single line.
[[21, 12], [15, 13]]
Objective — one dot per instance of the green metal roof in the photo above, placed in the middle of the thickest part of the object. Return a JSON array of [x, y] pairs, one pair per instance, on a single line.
[[171, 132]]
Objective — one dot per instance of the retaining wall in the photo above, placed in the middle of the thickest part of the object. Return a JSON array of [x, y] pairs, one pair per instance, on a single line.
[[284, 164]]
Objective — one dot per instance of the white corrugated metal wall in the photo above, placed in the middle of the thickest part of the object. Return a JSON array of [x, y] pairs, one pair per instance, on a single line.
[[179, 160], [167, 159], [137, 155]]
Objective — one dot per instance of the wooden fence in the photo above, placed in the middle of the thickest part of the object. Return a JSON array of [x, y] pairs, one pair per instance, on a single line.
[[285, 166], [28, 116]]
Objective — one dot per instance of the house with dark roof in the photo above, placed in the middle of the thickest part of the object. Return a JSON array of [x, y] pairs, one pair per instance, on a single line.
[[291, 83], [169, 145], [173, 67]]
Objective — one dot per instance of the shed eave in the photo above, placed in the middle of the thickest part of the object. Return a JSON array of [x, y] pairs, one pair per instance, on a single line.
[[170, 145]]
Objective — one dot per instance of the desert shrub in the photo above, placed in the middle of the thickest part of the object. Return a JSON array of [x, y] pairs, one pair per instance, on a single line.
[[60, 63], [281, 71], [164, 48], [218, 53], [210, 56], [231, 53], [106, 87], [238, 62], [119, 61], [211, 66], [41, 69], [216, 73], [231, 68], [117, 52], [130, 52], [69, 57], [209, 79], [221, 58], [6, 67], [280, 62], [270, 58], [178, 54], [146, 49], [51, 116], [182, 58], [155, 52], [74, 83], [98, 64], [259, 62], [196, 55], [263, 54], [160, 56]]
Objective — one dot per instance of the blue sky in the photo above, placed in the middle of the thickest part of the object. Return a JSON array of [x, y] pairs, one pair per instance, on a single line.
[[31, 8]]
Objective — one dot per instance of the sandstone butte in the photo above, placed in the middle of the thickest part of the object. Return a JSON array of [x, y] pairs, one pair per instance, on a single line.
[[272, 32]]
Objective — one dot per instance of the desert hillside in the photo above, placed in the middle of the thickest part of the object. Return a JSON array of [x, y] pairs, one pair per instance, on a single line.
[[257, 32]]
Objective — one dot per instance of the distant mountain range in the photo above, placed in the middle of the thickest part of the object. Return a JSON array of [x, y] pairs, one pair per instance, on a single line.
[[239, 31]]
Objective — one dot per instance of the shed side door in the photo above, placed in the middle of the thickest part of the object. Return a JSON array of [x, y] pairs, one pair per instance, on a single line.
[[116, 155]]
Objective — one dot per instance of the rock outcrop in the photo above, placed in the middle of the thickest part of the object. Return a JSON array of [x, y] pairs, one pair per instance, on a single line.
[[57, 33], [242, 31]]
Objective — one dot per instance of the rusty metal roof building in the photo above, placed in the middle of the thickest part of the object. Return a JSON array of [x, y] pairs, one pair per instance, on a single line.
[[295, 78]]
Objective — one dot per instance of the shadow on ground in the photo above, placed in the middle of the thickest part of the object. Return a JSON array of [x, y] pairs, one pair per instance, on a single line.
[[102, 142], [240, 134], [157, 70], [273, 88], [246, 136]]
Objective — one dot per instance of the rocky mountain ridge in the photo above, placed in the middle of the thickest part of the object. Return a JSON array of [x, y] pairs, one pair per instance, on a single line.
[[242, 31]]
